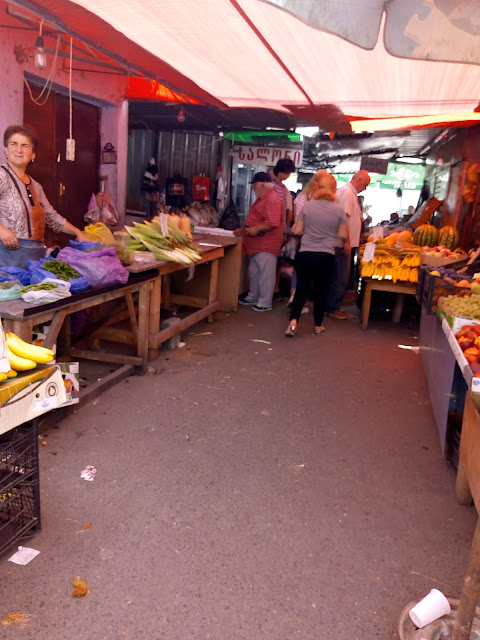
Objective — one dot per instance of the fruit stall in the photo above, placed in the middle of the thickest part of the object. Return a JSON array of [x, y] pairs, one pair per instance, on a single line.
[[392, 263], [429, 264], [449, 295]]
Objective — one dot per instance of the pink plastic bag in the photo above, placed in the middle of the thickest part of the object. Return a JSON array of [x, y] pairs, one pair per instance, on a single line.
[[102, 268]]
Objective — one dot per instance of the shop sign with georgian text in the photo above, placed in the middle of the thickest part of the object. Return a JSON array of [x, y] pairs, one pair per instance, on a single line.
[[245, 154]]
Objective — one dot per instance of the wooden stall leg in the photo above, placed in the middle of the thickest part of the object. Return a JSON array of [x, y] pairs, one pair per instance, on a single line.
[[54, 330], [23, 330], [65, 336], [398, 308], [166, 290], [154, 316], [94, 340], [131, 312], [367, 298], [212, 293], [470, 591], [462, 488], [143, 323]]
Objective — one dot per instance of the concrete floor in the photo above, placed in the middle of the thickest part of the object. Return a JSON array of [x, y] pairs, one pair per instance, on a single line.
[[252, 487]]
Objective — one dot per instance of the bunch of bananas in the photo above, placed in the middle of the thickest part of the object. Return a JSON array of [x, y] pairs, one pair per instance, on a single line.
[[24, 356], [398, 263], [411, 260], [396, 273]]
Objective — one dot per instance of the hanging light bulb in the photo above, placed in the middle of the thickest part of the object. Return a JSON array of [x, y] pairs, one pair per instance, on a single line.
[[39, 56], [181, 115]]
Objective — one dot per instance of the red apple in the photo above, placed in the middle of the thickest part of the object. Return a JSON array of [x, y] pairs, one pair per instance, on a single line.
[[476, 329], [471, 351], [475, 367], [471, 359], [465, 343]]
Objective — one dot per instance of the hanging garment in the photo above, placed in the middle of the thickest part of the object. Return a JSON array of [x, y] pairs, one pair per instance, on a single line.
[[176, 190]]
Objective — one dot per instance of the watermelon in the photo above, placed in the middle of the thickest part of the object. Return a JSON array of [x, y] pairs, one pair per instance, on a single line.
[[448, 236], [426, 235]]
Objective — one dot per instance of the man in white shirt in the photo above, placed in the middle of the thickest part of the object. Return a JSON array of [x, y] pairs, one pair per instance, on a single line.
[[348, 199]]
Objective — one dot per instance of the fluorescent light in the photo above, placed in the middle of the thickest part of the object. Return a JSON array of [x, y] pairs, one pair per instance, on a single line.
[[410, 160], [308, 132], [387, 124]]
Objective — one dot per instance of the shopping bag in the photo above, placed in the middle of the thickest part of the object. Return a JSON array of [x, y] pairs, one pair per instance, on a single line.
[[101, 268]]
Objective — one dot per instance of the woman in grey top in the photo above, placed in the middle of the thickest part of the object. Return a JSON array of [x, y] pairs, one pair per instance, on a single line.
[[319, 223], [24, 208]]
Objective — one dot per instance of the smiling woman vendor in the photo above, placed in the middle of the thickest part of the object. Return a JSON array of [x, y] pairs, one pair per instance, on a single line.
[[24, 208]]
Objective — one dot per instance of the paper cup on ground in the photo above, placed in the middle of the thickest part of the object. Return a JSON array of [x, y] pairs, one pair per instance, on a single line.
[[433, 606]]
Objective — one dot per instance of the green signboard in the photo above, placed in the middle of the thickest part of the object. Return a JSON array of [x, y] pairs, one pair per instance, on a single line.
[[407, 177], [262, 137]]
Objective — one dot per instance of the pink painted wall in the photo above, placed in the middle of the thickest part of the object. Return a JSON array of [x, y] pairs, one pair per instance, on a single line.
[[92, 84]]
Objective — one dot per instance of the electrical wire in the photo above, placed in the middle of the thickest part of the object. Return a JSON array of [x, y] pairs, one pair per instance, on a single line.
[[70, 91], [207, 146], [49, 82]]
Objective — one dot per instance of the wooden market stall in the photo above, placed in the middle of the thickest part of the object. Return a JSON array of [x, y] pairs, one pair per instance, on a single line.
[[214, 286]]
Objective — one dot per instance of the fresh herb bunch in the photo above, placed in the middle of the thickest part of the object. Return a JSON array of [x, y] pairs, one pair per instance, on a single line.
[[8, 284], [39, 287], [62, 270]]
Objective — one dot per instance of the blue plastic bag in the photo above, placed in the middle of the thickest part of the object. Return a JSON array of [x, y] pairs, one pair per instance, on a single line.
[[15, 273], [85, 245], [38, 275], [102, 268], [28, 250]]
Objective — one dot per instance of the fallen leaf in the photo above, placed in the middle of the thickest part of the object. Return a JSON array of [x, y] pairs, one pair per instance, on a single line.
[[15, 618], [81, 587]]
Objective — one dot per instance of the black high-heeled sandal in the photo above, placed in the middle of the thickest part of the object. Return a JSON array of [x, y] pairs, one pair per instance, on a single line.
[[290, 332]]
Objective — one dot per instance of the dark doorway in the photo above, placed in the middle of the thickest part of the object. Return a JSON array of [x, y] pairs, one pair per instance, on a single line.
[[68, 185]]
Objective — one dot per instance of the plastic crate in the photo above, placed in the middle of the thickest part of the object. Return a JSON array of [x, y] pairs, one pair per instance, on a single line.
[[19, 485], [420, 284], [430, 288]]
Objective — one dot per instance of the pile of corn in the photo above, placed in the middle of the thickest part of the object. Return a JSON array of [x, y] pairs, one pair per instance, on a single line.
[[175, 246], [398, 262]]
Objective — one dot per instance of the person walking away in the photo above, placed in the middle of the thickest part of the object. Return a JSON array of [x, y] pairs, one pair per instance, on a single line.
[[262, 235], [320, 222], [298, 204], [281, 172], [348, 200]]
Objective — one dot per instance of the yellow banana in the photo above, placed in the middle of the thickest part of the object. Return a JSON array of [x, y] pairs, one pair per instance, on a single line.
[[12, 374], [3, 377], [19, 364], [28, 351]]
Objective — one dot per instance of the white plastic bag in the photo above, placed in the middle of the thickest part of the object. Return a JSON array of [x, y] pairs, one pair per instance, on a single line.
[[46, 296]]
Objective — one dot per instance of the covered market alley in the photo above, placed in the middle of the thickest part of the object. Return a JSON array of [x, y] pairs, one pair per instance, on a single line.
[[247, 487]]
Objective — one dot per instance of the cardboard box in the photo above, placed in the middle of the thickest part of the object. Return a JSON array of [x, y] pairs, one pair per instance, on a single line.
[[71, 378], [473, 382], [30, 395], [454, 322], [438, 261]]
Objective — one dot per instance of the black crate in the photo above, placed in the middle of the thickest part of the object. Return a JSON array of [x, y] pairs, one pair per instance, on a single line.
[[19, 485], [430, 288]]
